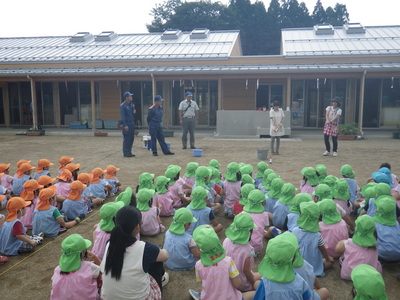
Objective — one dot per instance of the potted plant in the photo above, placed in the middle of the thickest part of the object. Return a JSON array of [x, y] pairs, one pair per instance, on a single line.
[[347, 131], [396, 133], [35, 132], [100, 133]]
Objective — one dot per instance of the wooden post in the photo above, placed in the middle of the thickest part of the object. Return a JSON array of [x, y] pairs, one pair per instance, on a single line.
[[34, 103], [361, 108], [93, 99], [220, 104]]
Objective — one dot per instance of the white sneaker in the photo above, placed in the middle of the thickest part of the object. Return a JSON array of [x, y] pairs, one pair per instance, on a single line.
[[165, 279], [334, 154], [195, 295], [326, 153]]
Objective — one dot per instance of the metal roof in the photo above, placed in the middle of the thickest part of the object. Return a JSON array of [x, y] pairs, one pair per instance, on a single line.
[[150, 46], [205, 69], [377, 40]]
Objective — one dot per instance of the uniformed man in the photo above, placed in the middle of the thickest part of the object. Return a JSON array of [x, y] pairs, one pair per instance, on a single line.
[[154, 120], [127, 111], [189, 116]]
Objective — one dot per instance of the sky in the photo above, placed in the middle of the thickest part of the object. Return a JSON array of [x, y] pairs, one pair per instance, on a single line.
[[25, 18]]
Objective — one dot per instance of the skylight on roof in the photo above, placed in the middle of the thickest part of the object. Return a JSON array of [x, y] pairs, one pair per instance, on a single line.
[[105, 36], [322, 29], [199, 33], [171, 34], [81, 37], [354, 28]]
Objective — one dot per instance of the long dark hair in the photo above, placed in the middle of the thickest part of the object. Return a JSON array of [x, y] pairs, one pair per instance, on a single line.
[[126, 220]]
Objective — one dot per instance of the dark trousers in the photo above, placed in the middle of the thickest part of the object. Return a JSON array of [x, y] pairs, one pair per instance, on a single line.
[[328, 145], [156, 270], [188, 125], [156, 133], [129, 136]]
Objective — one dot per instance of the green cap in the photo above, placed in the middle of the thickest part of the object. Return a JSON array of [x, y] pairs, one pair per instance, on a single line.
[[161, 182], [245, 191], [322, 191], [385, 210], [329, 213], [347, 171], [311, 175], [143, 197], [330, 180], [247, 179], [214, 163], [261, 167], [211, 250], [382, 189], [364, 234], [277, 264], [191, 170], [290, 237], [275, 191], [321, 169], [288, 192], [215, 175], [309, 214], [72, 247], [107, 213], [299, 198], [198, 198], [246, 169], [145, 181], [265, 181], [368, 283], [270, 178], [341, 190], [254, 202], [231, 171], [371, 193], [239, 231], [201, 176], [181, 217], [171, 173], [125, 196]]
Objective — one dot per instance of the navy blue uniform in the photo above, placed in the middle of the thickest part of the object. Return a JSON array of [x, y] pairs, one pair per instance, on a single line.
[[128, 119], [154, 119]]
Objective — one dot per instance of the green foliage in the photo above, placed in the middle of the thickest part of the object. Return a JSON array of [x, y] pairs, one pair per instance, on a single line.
[[348, 129]]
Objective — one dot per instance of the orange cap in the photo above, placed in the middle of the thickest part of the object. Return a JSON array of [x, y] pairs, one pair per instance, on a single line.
[[84, 177], [2, 197], [72, 167], [46, 180], [22, 161], [4, 167], [14, 205], [43, 163], [97, 172], [65, 160], [23, 168], [111, 172], [29, 187], [44, 197], [65, 175], [76, 188]]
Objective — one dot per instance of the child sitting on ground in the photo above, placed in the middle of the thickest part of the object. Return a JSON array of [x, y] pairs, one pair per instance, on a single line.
[[281, 208], [190, 175], [309, 181], [99, 187], [74, 169], [30, 193], [232, 185], [261, 167], [64, 160], [3, 259], [42, 168], [244, 194], [237, 246], [203, 175], [183, 251], [341, 196], [63, 185], [111, 178], [6, 179], [145, 182], [151, 222], [368, 283], [162, 198], [23, 175], [291, 221], [88, 198], [177, 186], [76, 278], [74, 206], [348, 174]]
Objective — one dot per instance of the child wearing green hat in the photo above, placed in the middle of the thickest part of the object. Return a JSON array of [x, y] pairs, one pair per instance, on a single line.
[[330, 181], [203, 175], [76, 278], [261, 167], [279, 280], [151, 222], [232, 186], [102, 231], [312, 244], [282, 206], [265, 185], [177, 186], [238, 248], [255, 208], [201, 212], [322, 172], [294, 214], [216, 271], [368, 283], [309, 181], [341, 195], [146, 181], [274, 193], [380, 189], [244, 193], [348, 174], [361, 249], [190, 175], [162, 198], [183, 251], [387, 229], [332, 227]]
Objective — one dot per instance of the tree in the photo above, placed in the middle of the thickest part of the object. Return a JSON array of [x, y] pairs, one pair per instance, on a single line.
[[162, 13], [319, 14], [274, 24], [295, 15]]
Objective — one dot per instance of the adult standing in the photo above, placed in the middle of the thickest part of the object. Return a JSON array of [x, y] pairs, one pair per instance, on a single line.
[[331, 128], [127, 111], [154, 120], [276, 127], [189, 116]]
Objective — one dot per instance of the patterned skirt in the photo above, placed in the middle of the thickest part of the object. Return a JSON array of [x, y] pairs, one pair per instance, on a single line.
[[331, 129], [155, 292]]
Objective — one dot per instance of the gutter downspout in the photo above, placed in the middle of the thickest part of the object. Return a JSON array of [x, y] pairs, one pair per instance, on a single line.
[[361, 105], [34, 105], [93, 100]]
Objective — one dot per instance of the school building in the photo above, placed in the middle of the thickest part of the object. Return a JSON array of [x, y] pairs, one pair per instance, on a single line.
[[60, 80]]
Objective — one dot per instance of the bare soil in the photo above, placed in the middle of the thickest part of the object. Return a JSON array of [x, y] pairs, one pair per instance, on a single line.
[[29, 276]]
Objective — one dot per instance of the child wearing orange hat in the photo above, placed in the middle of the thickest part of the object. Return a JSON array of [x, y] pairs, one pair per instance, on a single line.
[[99, 187], [4, 192], [85, 178], [3, 259], [30, 193], [74, 168], [13, 238], [112, 179], [64, 160], [64, 181], [6, 179], [46, 217], [23, 175], [74, 205], [42, 168]]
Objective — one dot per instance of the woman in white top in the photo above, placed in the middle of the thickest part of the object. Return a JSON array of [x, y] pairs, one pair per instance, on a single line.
[[332, 116], [276, 128]]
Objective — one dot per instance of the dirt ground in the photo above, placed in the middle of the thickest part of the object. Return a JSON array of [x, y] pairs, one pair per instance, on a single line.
[[29, 276]]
